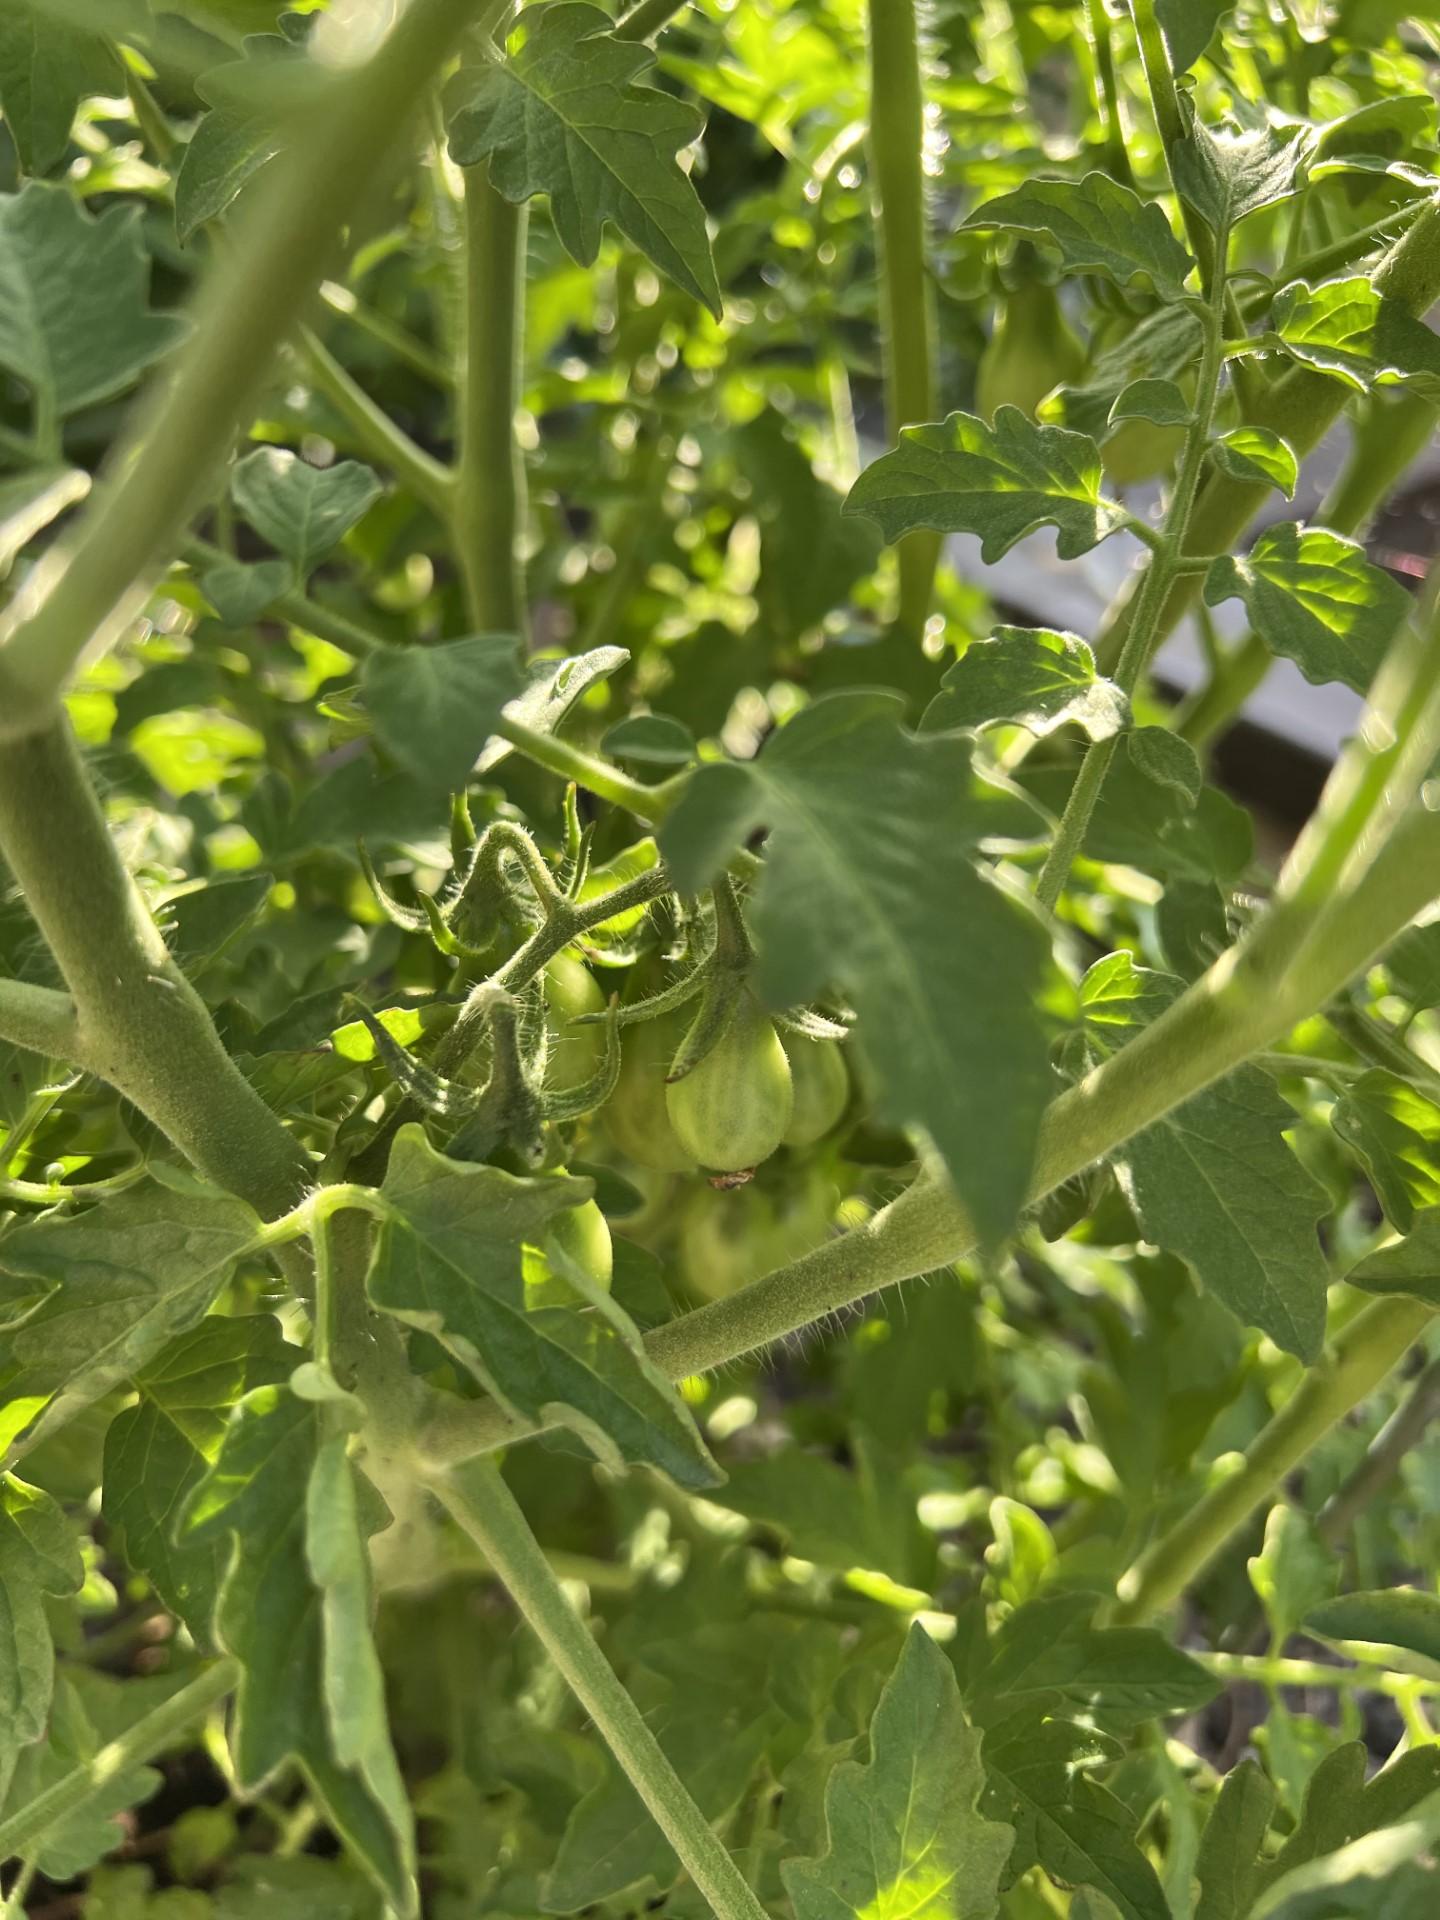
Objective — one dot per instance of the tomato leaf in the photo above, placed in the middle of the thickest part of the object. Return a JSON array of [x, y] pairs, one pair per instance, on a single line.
[[158, 1451], [448, 1259], [888, 906], [1228, 173], [280, 1625], [1255, 454], [93, 1298], [1347, 329], [1315, 598], [1395, 1131], [1000, 482], [905, 1834], [1030, 677], [47, 67], [303, 511], [433, 708], [39, 1556], [1403, 1617], [75, 323], [564, 116], [1098, 225], [1215, 1181], [1230, 1846]]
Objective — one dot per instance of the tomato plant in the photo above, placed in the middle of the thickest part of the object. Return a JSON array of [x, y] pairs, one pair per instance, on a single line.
[[687, 1224]]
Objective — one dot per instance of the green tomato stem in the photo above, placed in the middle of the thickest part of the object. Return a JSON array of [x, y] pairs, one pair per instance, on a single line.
[[907, 299], [140, 1024], [41, 1019], [644, 21], [376, 434], [1107, 92], [82, 595], [1167, 559], [28, 1825], [489, 504], [484, 1507]]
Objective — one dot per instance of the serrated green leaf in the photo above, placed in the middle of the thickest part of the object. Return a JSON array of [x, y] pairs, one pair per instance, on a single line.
[[1216, 1182], [244, 129], [1030, 677], [272, 1617], [1347, 329], [1230, 1847], [652, 738], [1167, 761], [1403, 1617], [551, 689], [1158, 824], [1039, 1780], [1255, 455], [1048, 1656], [449, 1259], [303, 511], [39, 1556], [1189, 27], [1383, 1876], [563, 115], [1229, 173], [352, 1684], [97, 1295], [1098, 225], [157, 1452], [1396, 1132], [1341, 1805], [433, 708], [889, 907], [1315, 598], [47, 67], [1409, 1266], [75, 325], [1160, 402], [241, 592], [906, 1839], [1413, 964], [1000, 482], [1293, 1572]]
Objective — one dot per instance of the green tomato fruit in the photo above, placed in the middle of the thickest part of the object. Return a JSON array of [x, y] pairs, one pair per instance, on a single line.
[[637, 1116], [578, 1234], [728, 1240], [821, 1082], [731, 1112], [575, 1053], [1033, 350], [1138, 451]]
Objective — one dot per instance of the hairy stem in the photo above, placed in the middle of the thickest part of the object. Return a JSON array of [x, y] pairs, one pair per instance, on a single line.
[[1161, 572], [139, 1023], [897, 148], [84, 592], [376, 434], [1107, 92], [644, 21], [21, 1832], [484, 1506], [490, 481]]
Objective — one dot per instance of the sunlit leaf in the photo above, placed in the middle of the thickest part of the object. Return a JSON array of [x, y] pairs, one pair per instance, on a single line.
[[906, 1837], [1033, 678], [1000, 482], [564, 116], [1099, 226]]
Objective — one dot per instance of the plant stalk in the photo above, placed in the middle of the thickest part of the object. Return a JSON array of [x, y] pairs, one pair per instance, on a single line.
[[28, 1825], [484, 1507], [376, 434], [489, 505], [139, 1023], [907, 300]]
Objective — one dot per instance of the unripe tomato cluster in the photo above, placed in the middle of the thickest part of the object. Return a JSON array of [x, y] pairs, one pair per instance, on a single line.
[[757, 1091]]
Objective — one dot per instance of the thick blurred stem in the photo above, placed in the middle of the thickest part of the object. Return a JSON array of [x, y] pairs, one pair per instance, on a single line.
[[907, 300], [489, 511], [486, 1509]]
